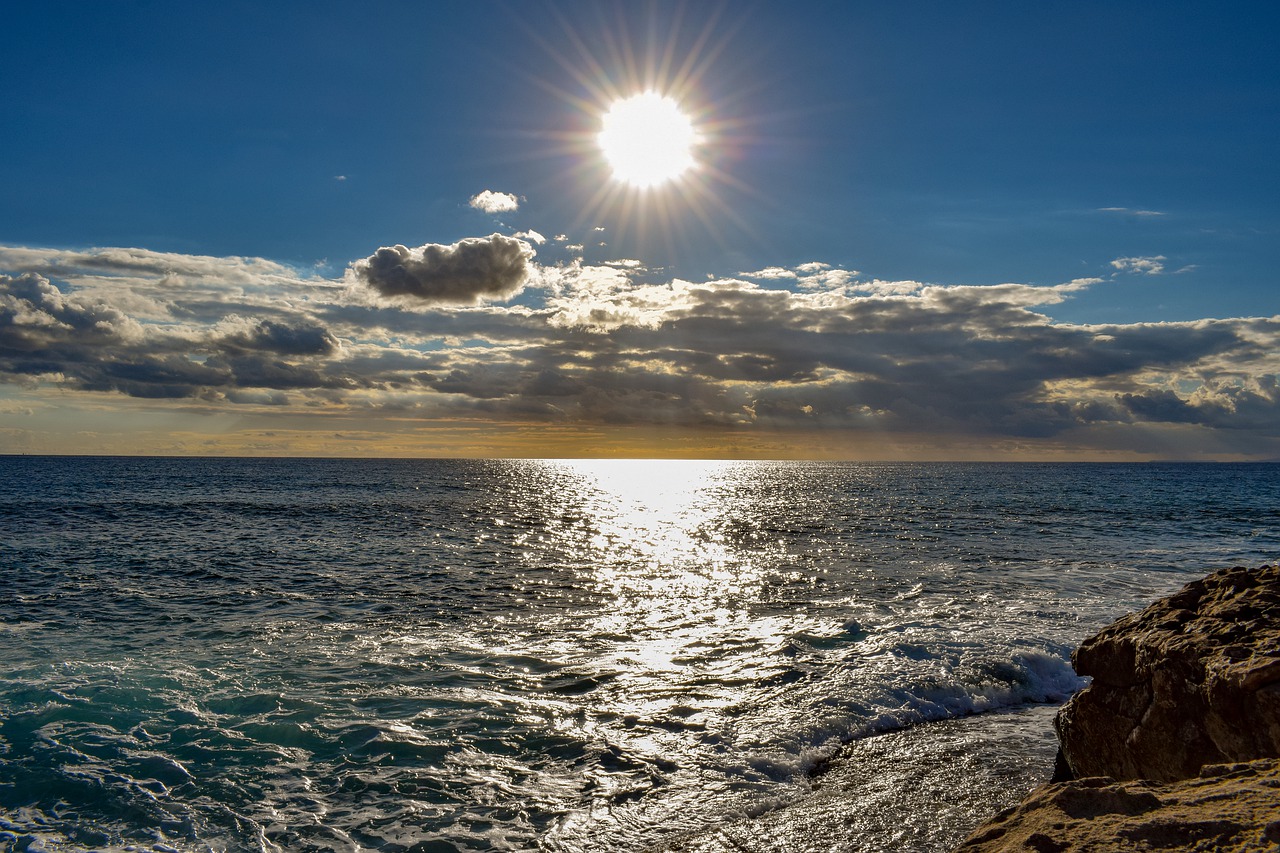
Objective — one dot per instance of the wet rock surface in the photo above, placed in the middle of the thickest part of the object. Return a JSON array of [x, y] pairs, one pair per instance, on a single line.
[[1193, 679], [1176, 743], [1227, 807]]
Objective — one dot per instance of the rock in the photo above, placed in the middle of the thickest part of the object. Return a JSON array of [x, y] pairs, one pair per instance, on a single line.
[[1184, 708], [1226, 808], [1194, 679]]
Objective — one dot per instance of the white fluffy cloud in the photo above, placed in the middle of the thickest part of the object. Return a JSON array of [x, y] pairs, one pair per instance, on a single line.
[[769, 273], [813, 275], [1153, 265], [494, 202]]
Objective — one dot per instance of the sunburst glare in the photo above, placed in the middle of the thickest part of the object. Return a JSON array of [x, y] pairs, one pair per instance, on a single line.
[[645, 142], [647, 139]]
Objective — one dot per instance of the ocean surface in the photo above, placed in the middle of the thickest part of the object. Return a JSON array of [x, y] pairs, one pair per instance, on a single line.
[[306, 655]]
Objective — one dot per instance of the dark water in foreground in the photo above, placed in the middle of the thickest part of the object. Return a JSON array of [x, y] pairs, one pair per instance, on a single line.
[[427, 655]]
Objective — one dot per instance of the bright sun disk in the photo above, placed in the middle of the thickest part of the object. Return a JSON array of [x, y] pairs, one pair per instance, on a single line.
[[647, 139]]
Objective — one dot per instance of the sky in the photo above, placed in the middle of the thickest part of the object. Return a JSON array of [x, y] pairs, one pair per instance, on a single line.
[[911, 230]]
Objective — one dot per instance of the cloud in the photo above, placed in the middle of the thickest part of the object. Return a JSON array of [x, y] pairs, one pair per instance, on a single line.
[[813, 275], [124, 261], [532, 236], [1131, 211], [813, 267], [1160, 405], [1079, 284], [1153, 265], [306, 339], [410, 335], [770, 273], [494, 202], [34, 314], [890, 288], [826, 278], [464, 273], [74, 337]]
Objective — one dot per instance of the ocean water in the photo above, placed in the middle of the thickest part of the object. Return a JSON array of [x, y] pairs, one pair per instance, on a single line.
[[305, 655]]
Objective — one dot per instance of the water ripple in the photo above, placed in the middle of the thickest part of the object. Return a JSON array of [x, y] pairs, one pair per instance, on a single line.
[[427, 655]]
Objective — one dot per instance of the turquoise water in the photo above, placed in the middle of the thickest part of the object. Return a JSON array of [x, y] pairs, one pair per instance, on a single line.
[[233, 655]]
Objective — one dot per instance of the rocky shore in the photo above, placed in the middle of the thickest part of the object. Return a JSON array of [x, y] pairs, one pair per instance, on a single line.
[[1176, 743]]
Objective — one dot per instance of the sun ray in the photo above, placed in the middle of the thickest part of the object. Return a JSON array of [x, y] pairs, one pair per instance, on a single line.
[[678, 53]]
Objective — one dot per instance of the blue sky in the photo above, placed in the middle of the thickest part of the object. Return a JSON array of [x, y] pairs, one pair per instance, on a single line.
[[1123, 153]]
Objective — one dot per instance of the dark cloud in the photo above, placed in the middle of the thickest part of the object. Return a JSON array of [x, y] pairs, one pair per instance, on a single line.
[[464, 273], [146, 376], [284, 339], [1164, 406], [256, 371], [86, 344], [34, 313]]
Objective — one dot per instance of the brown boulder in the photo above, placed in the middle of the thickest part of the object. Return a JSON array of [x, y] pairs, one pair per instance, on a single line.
[[1227, 808], [1194, 679]]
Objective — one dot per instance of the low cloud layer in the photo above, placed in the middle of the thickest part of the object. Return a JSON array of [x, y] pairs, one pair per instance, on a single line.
[[464, 273], [413, 334]]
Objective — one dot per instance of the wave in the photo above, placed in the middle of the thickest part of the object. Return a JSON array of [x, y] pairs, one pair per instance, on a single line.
[[994, 684]]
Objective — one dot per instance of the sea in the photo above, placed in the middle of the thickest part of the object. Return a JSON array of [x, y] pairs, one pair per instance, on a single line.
[[202, 654]]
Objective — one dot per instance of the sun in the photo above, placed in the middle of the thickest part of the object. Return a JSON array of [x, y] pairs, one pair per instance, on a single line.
[[652, 139], [647, 139]]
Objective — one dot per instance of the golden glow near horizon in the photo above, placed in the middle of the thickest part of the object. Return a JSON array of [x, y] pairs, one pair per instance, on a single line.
[[647, 139]]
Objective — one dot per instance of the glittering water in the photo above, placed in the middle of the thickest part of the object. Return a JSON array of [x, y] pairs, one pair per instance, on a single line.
[[428, 655]]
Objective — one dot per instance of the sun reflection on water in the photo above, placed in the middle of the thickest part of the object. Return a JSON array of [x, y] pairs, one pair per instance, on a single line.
[[647, 636], [656, 541]]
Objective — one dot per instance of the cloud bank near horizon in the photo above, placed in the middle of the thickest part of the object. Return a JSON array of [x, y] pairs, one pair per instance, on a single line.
[[432, 333]]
